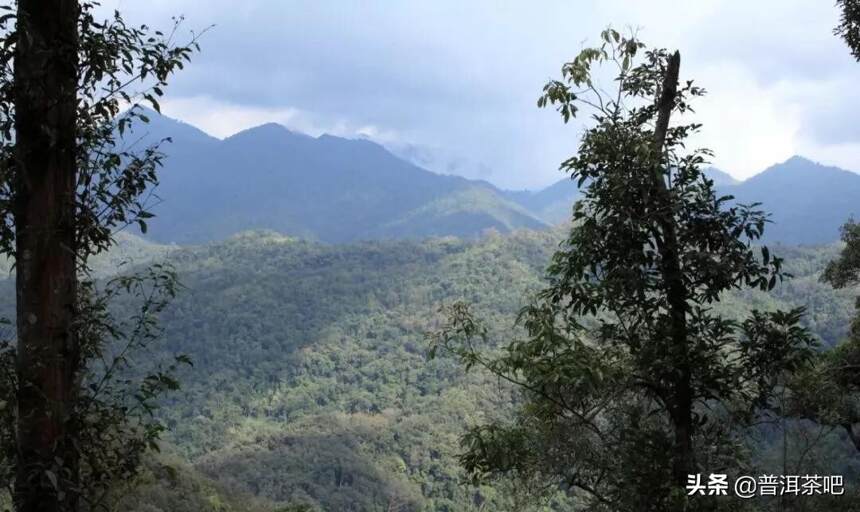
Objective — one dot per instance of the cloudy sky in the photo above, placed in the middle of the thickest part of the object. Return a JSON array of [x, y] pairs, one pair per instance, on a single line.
[[454, 83]]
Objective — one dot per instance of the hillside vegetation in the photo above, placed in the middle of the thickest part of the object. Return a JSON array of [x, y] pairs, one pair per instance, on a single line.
[[311, 385]]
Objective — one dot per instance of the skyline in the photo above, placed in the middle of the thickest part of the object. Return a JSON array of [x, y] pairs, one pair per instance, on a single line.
[[533, 189], [453, 87]]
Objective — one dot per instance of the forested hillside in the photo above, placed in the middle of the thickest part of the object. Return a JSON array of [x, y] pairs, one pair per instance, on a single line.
[[311, 384]]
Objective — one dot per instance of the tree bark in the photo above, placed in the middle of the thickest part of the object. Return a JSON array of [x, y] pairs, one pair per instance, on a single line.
[[45, 268], [681, 406]]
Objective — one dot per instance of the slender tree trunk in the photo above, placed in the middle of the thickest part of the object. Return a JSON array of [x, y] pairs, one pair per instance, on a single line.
[[45, 162], [681, 406]]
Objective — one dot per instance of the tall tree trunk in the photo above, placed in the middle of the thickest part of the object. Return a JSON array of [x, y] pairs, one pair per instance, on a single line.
[[44, 216], [681, 406]]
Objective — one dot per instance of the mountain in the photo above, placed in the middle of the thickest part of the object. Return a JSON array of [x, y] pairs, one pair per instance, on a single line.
[[334, 189], [808, 202], [322, 188]]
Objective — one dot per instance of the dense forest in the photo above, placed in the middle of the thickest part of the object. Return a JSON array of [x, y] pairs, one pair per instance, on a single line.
[[311, 384]]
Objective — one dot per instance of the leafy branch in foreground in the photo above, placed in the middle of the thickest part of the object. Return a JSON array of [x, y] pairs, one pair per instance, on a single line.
[[849, 25], [118, 397], [630, 380]]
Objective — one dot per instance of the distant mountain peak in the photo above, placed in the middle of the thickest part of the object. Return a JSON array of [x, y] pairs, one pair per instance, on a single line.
[[271, 126], [798, 167], [799, 160], [268, 130]]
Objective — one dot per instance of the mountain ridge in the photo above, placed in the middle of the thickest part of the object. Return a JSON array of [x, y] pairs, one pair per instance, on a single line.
[[807, 201], [336, 189], [323, 188]]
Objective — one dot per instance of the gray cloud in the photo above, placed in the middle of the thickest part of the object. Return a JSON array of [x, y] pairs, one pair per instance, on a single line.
[[833, 117], [464, 76]]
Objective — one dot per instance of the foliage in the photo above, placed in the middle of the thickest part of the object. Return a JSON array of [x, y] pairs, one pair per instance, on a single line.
[[845, 270], [309, 362], [120, 66], [117, 400], [849, 25], [111, 422], [631, 381], [829, 393]]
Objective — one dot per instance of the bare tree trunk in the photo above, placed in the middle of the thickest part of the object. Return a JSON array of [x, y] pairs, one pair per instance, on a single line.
[[681, 406], [45, 162]]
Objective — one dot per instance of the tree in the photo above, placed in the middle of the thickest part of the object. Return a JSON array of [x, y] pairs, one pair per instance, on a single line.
[[67, 185], [836, 373], [631, 382], [45, 79], [849, 25], [829, 392]]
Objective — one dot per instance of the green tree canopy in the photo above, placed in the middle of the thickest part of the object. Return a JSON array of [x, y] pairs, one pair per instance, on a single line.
[[849, 25], [631, 382], [68, 182]]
